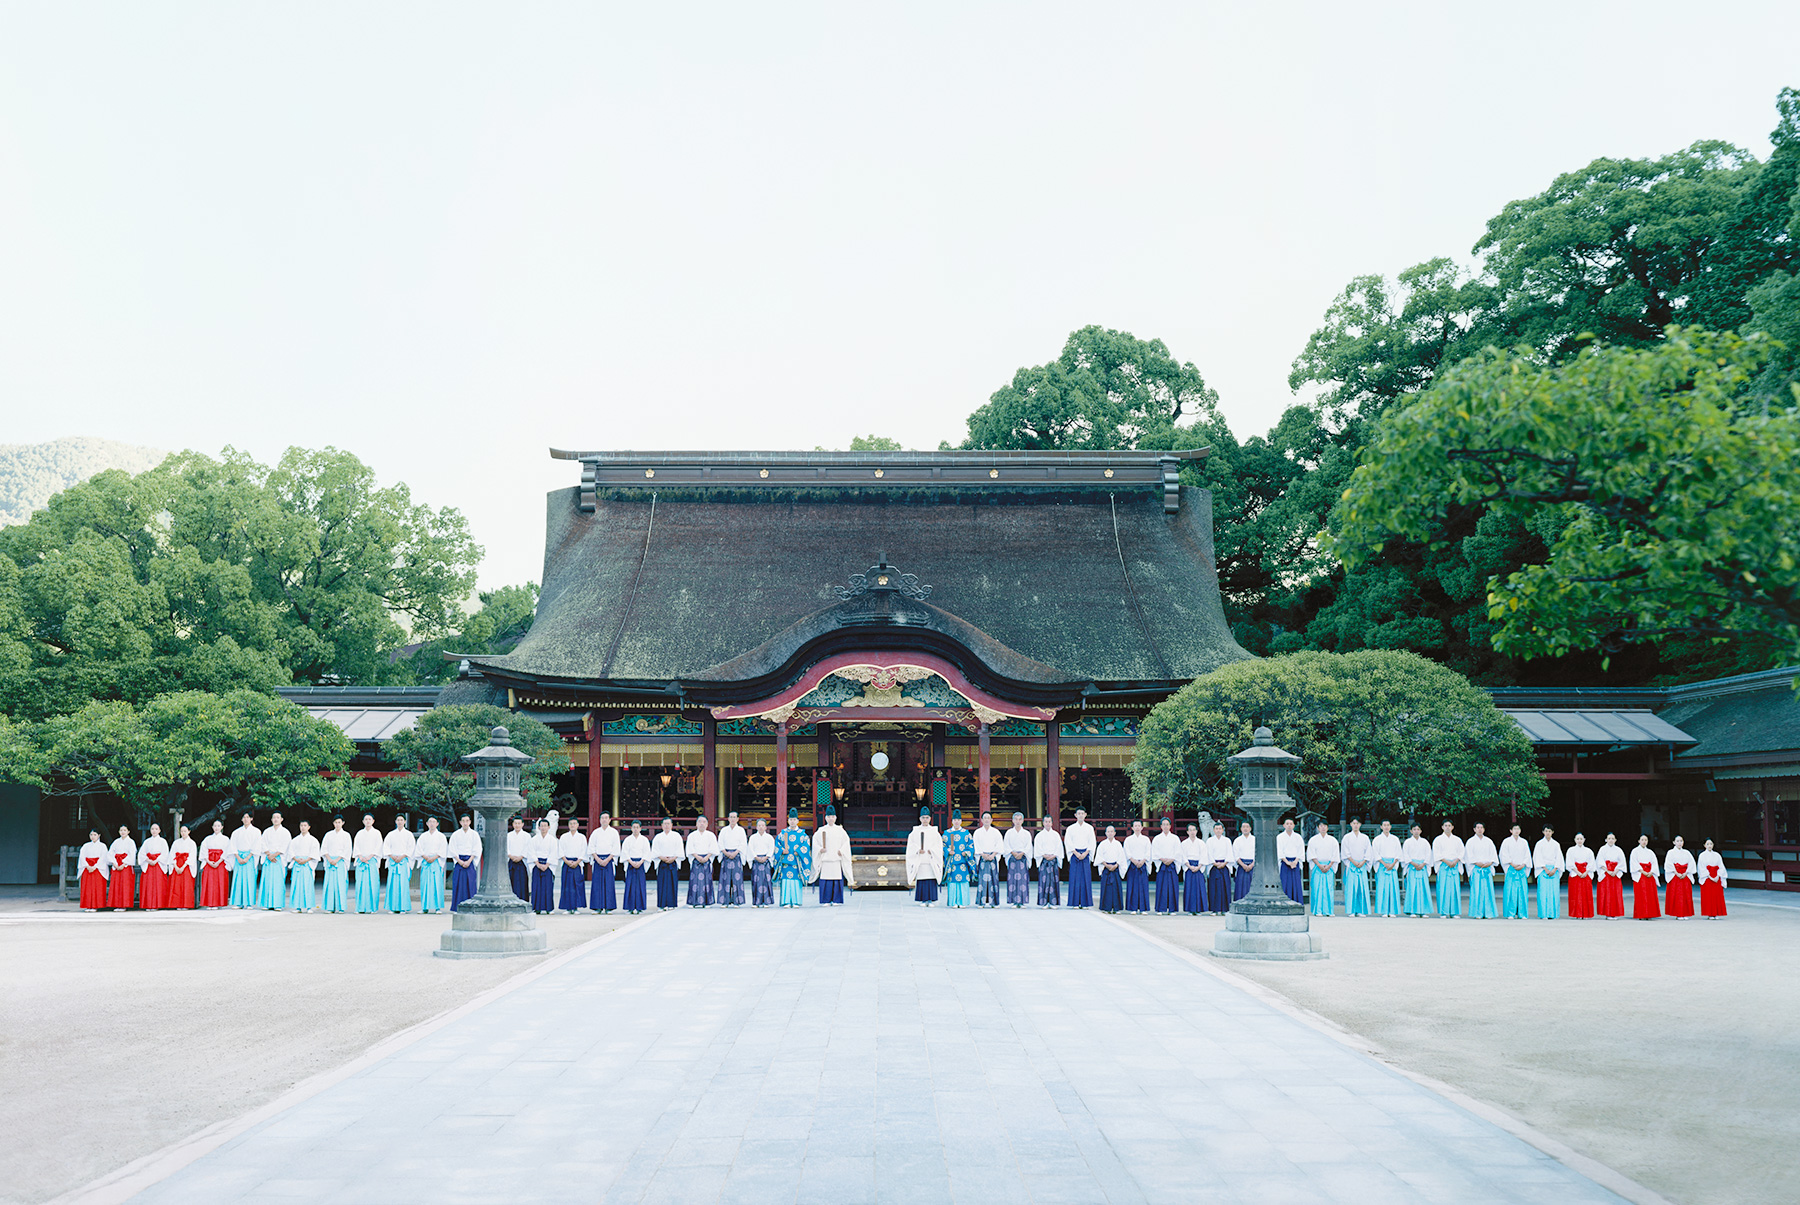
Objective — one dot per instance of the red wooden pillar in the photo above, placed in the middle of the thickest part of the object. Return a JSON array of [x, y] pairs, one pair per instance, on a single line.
[[1053, 773], [596, 804], [986, 766], [781, 806], [709, 769]]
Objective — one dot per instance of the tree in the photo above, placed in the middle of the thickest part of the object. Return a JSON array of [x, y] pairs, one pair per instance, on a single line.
[[505, 617], [874, 443], [1762, 238], [1389, 729], [438, 780], [1667, 491]]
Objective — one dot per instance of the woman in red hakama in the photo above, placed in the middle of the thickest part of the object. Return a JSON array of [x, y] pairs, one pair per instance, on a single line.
[[1712, 883], [1611, 867], [1678, 879], [94, 859], [215, 868], [1646, 880], [121, 888], [154, 862], [181, 871], [1581, 861]]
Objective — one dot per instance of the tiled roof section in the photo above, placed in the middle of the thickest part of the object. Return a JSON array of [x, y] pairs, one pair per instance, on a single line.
[[1597, 728], [628, 596], [1740, 723]]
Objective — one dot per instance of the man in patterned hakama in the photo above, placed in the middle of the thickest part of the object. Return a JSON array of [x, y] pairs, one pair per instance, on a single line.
[[1357, 851], [429, 852], [1678, 879], [1479, 859], [303, 863], [1290, 856], [1078, 843], [1218, 879], [924, 860], [1646, 879], [1713, 877], [793, 862], [153, 871], [1515, 865], [1583, 866], [702, 848], [1165, 855], [634, 855], [1417, 852], [1243, 853], [518, 859], [465, 863], [666, 853], [733, 842], [215, 868], [184, 859], [1018, 862], [1447, 852], [121, 883], [1547, 864], [831, 860], [1137, 869], [1385, 850], [95, 863], [1610, 865], [571, 862], [336, 850], [1110, 858], [1323, 855], [1047, 849], [396, 852], [760, 849], [365, 855], [959, 863], [545, 849], [1193, 872], [990, 848], [246, 840], [271, 885], [603, 857]]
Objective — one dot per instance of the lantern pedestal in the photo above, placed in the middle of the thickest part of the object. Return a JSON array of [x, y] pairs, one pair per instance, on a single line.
[[495, 923], [1265, 924]]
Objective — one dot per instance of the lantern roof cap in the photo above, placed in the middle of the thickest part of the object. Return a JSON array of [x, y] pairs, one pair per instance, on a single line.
[[500, 751], [1264, 752]]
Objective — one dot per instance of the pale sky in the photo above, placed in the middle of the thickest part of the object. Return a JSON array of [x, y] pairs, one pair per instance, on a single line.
[[448, 236]]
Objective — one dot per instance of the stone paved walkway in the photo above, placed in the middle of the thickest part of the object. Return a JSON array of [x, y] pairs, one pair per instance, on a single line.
[[877, 1051]]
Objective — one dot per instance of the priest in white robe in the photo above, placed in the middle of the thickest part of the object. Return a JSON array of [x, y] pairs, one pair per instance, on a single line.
[[302, 865], [246, 864], [1079, 843], [336, 851], [1515, 867], [1323, 855], [603, 864], [429, 852], [990, 851], [1109, 856], [666, 853], [1047, 852], [465, 862], [397, 855], [702, 847], [831, 864], [924, 860], [734, 842], [365, 854], [1547, 864], [1018, 862], [1137, 869], [634, 856], [1193, 872], [271, 885], [1165, 856], [1447, 852], [1416, 850], [1386, 851], [761, 851]]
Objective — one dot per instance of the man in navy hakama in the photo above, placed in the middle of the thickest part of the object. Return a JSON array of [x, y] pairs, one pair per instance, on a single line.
[[1079, 843], [1218, 876], [1018, 862], [1110, 858], [1137, 869], [733, 842], [571, 851], [666, 853], [634, 853], [1193, 872], [1047, 848], [544, 851], [603, 858], [465, 863], [990, 848], [1290, 852], [1243, 850], [518, 859], [761, 849], [702, 848], [1165, 855]]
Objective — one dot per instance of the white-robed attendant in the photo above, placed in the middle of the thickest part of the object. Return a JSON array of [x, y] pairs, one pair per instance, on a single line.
[[1079, 843], [1646, 877], [246, 842], [666, 852], [1385, 849], [1219, 877], [1678, 881], [1323, 855], [396, 854], [215, 868], [336, 851], [366, 854], [734, 843], [990, 856], [702, 848], [1047, 853], [121, 884], [545, 849], [95, 865], [1357, 851], [571, 865], [1165, 856], [831, 862], [1447, 852], [1018, 861], [1479, 859], [1137, 868], [1515, 866], [1109, 857], [1583, 867], [1243, 854], [634, 857], [924, 860], [465, 862], [271, 886], [1713, 877], [1290, 857], [184, 870], [1193, 872], [1416, 851], [1547, 864], [429, 852], [761, 851], [153, 871], [303, 862], [603, 864]]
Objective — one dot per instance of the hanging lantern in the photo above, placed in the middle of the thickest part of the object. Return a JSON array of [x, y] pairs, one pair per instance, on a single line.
[[837, 792], [1084, 759]]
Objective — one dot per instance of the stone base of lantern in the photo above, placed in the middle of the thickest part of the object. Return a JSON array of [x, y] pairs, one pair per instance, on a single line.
[[479, 933], [1279, 937]]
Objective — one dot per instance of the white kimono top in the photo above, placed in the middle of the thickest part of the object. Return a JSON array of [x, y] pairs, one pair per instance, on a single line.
[[1290, 846], [668, 845], [1243, 848], [396, 845], [988, 841], [634, 847], [1645, 865], [518, 844], [1581, 863], [603, 843], [831, 854], [1515, 851], [247, 838], [1138, 848], [303, 850], [1611, 860], [1447, 848], [1078, 838], [572, 847], [1678, 864], [1110, 853], [189, 865], [924, 854], [702, 843], [1712, 867], [1356, 848], [336, 844], [1385, 847], [275, 840], [367, 845], [1322, 851], [1417, 851], [547, 849], [466, 843], [761, 845], [431, 845], [1218, 847], [1547, 857], [733, 840], [1165, 847], [123, 853], [95, 856], [1193, 853], [1047, 844], [1480, 854], [1018, 841], [155, 849], [215, 841]]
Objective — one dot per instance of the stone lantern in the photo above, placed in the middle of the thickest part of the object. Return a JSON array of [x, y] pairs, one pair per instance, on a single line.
[[495, 923], [1266, 924]]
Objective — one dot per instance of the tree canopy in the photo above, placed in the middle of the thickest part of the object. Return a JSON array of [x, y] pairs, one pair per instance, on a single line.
[[432, 750], [1388, 733]]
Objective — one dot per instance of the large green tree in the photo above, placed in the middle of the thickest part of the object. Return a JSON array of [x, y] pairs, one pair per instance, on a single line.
[[1379, 733], [505, 617], [438, 780]]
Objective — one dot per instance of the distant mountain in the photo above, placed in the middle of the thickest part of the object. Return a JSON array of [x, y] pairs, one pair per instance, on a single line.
[[30, 474]]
